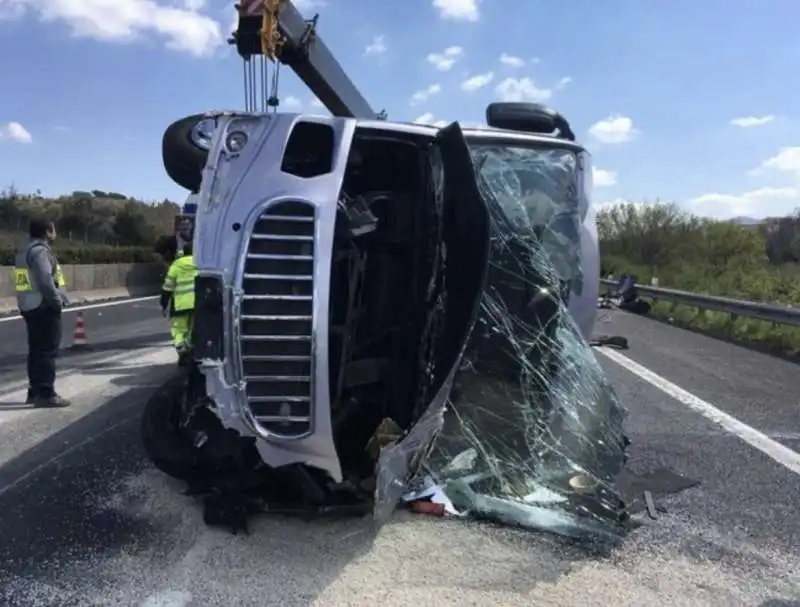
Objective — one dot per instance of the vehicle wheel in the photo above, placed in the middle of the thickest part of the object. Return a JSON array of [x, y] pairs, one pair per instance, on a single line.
[[166, 447], [183, 159]]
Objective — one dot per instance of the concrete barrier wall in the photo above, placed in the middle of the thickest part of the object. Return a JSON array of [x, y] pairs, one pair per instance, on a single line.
[[137, 278]]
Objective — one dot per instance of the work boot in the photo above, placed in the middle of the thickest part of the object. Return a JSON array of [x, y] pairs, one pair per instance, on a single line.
[[50, 402], [184, 355]]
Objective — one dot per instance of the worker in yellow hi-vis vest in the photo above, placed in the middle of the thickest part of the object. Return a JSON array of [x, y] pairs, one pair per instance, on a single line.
[[177, 300], [39, 284]]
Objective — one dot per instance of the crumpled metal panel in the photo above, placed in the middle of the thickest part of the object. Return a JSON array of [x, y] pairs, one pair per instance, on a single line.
[[533, 435], [399, 463]]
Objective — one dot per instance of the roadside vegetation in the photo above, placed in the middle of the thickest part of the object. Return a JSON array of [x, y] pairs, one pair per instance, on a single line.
[[93, 226], [753, 262]]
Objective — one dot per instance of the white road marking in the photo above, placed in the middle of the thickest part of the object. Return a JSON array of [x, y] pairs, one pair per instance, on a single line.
[[102, 304], [778, 452], [785, 435]]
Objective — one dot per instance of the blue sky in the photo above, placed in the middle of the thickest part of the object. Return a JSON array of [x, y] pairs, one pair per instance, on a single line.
[[695, 102]]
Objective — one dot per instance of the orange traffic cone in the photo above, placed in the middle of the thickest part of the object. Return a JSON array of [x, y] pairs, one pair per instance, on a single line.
[[79, 339]]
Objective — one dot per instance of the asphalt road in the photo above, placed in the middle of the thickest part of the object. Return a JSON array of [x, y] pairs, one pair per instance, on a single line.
[[85, 521], [110, 327]]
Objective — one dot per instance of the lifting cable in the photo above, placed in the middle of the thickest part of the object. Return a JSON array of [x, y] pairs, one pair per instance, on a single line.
[[271, 44], [261, 87]]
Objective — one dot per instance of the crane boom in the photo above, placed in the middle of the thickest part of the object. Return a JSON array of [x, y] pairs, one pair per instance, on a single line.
[[303, 51]]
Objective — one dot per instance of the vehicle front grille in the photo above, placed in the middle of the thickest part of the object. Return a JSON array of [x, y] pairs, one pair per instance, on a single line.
[[276, 319]]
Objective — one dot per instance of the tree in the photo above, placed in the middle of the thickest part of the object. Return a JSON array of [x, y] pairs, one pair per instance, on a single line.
[[661, 240], [131, 227], [86, 217]]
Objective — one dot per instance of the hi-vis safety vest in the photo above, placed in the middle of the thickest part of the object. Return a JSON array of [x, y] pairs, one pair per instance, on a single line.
[[180, 282], [22, 279]]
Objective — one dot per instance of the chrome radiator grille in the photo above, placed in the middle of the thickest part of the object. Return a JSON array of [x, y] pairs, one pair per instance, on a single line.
[[276, 319]]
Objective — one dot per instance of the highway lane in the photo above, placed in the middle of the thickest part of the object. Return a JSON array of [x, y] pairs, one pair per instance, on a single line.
[[760, 390], [110, 327], [98, 526]]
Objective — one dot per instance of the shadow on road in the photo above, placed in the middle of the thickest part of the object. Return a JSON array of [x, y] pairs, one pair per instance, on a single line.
[[17, 362], [58, 531], [45, 491], [84, 511]]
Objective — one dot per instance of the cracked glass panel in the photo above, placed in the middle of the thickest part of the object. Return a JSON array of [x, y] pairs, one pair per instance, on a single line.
[[534, 435]]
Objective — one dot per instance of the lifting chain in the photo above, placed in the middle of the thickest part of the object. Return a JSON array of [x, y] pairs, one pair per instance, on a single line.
[[271, 38]]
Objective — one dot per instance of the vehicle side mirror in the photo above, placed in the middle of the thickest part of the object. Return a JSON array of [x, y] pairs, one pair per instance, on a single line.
[[528, 118]]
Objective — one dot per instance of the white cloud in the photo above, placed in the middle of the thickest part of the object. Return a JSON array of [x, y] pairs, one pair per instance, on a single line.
[[182, 29], [457, 10], [11, 10], [522, 89], [755, 203], [608, 204], [428, 118], [446, 59], [614, 129], [376, 47], [307, 5], [787, 160], [15, 132], [425, 94], [603, 178], [233, 24], [563, 82], [292, 102], [476, 82], [750, 121], [511, 60]]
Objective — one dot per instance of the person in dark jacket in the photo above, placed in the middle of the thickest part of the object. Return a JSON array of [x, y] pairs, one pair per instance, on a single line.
[[41, 296]]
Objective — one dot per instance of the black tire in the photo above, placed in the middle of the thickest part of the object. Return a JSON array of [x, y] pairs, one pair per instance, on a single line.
[[167, 448], [183, 160]]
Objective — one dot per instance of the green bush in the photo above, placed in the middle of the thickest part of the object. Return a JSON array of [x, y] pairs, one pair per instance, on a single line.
[[92, 255], [703, 256], [86, 218]]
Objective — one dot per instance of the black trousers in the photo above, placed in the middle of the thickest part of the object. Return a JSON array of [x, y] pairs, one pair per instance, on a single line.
[[44, 341]]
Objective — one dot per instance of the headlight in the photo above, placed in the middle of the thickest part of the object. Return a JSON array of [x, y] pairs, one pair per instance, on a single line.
[[229, 135], [203, 132], [235, 141]]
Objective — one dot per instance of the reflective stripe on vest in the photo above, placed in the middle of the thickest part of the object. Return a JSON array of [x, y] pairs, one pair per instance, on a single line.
[[22, 279]]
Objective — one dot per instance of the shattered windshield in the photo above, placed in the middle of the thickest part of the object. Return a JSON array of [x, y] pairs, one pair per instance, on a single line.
[[537, 189], [536, 437]]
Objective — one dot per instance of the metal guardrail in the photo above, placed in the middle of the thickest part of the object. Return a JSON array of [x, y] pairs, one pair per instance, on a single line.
[[784, 315]]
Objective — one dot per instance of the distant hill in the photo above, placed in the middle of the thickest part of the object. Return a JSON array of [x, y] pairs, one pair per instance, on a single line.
[[747, 221]]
